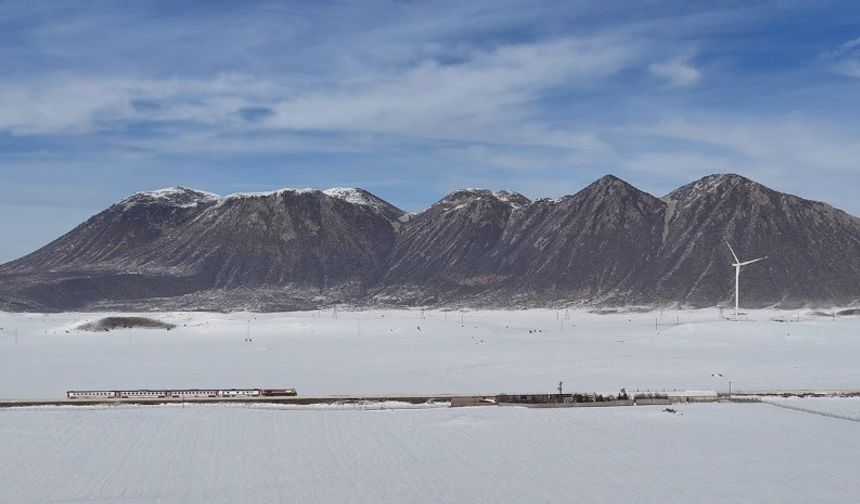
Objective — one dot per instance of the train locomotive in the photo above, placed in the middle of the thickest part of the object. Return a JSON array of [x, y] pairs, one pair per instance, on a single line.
[[179, 393]]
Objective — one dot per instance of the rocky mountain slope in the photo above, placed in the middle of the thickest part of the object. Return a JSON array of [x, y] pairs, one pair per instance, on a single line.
[[609, 243], [450, 250], [180, 242], [813, 249], [595, 246]]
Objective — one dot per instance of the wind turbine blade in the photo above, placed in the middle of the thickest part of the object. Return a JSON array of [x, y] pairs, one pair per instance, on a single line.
[[733, 252], [754, 260]]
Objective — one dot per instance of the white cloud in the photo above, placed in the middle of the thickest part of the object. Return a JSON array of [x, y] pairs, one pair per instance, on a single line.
[[771, 143], [807, 157], [486, 97], [80, 104], [678, 71], [845, 59]]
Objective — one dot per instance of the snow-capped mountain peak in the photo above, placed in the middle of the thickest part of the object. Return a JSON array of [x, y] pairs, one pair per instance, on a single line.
[[358, 196], [353, 195], [176, 196], [461, 197], [512, 198], [265, 194]]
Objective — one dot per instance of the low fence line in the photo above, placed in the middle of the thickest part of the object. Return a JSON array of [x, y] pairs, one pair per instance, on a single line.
[[741, 399], [838, 416]]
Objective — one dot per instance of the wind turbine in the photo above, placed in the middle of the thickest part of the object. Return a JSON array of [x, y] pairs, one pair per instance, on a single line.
[[737, 264]]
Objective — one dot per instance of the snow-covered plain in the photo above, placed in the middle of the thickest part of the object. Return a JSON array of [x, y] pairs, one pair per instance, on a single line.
[[845, 406], [378, 352], [707, 453]]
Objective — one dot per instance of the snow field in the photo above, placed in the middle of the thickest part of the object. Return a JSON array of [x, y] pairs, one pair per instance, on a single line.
[[385, 352], [707, 453], [847, 406]]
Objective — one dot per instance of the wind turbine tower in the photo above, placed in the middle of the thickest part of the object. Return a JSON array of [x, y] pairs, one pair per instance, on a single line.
[[737, 264]]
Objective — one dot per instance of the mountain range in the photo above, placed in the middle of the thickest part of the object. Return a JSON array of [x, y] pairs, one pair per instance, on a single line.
[[608, 244]]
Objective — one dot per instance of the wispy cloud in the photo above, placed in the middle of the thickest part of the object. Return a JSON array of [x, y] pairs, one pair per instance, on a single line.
[[677, 71], [484, 96], [76, 104], [845, 59], [773, 143], [806, 157]]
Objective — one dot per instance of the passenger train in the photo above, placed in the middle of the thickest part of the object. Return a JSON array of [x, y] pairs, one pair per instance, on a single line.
[[178, 393]]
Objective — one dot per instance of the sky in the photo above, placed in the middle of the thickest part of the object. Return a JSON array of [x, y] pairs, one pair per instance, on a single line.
[[412, 100]]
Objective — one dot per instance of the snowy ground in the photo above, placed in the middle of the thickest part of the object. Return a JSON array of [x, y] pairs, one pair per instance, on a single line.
[[707, 453], [385, 352], [848, 406]]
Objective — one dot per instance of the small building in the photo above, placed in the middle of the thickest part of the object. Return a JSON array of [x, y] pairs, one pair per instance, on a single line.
[[461, 401], [692, 396]]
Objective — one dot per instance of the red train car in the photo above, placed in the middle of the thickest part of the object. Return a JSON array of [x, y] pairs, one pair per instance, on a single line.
[[178, 393]]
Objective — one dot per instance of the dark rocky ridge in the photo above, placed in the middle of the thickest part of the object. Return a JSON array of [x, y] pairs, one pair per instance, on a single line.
[[300, 241], [113, 323], [595, 246], [448, 251], [610, 243], [813, 248]]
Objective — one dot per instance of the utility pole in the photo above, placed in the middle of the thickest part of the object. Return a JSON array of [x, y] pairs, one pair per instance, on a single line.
[[560, 392], [730, 388]]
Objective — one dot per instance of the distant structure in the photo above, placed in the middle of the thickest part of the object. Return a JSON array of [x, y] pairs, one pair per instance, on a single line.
[[737, 264]]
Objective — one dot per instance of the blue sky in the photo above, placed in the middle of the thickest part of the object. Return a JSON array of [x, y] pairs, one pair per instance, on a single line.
[[412, 100]]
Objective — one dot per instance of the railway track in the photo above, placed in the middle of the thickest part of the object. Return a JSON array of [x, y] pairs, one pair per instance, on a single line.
[[353, 399], [297, 400]]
